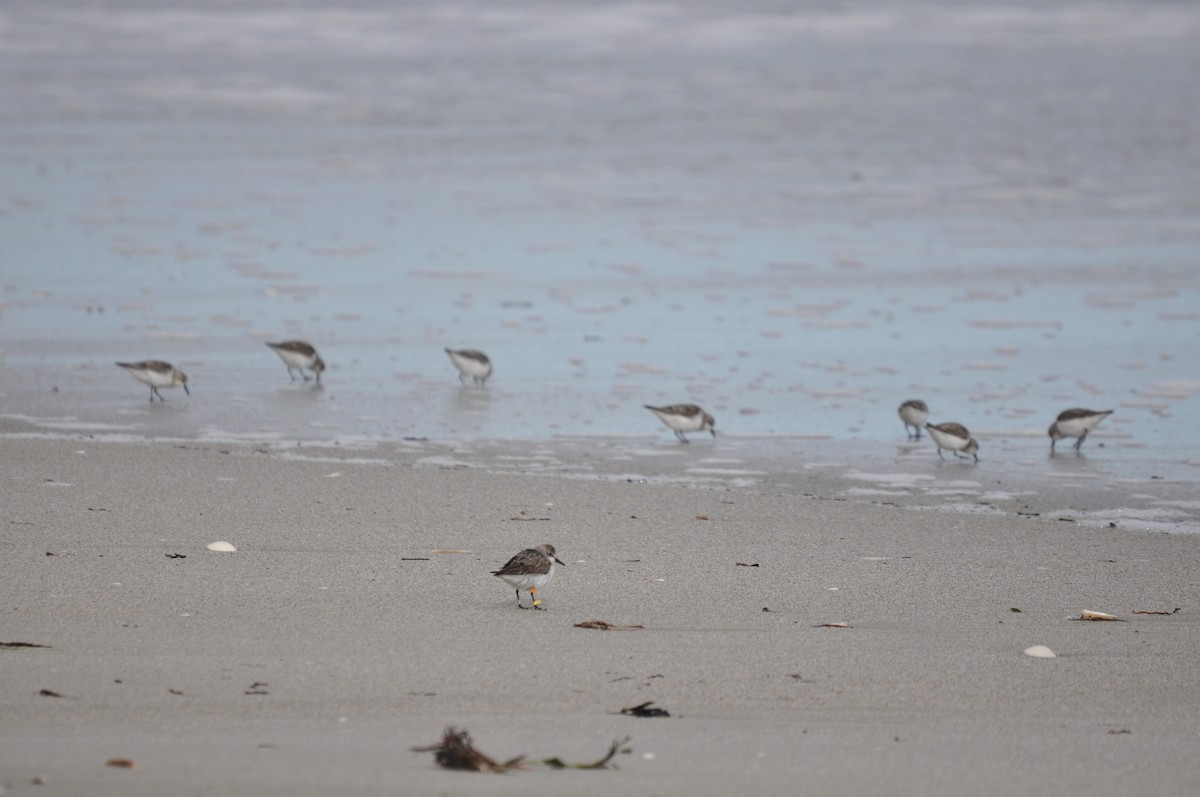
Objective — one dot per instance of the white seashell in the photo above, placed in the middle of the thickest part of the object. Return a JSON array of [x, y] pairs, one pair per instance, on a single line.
[[221, 546], [1041, 652], [1089, 615]]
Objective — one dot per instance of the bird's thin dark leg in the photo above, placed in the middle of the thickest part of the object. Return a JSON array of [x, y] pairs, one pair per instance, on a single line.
[[1082, 437], [537, 604], [291, 376], [154, 392], [519, 606], [318, 373], [940, 453], [679, 434]]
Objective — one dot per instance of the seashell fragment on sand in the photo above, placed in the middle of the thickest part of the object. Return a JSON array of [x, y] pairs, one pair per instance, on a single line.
[[1089, 615], [1041, 652], [221, 546]]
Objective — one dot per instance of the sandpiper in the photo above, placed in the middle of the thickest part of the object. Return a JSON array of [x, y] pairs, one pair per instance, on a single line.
[[299, 355], [472, 363], [953, 437], [156, 374], [530, 570], [914, 413], [1076, 422], [682, 418]]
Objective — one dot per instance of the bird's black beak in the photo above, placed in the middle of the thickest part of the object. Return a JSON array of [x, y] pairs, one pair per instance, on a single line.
[[560, 561], [185, 390]]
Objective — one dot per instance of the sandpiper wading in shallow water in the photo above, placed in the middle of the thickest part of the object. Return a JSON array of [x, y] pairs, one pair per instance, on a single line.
[[299, 355], [472, 363], [682, 418], [156, 374], [1077, 423], [914, 413], [953, 437], [529, 571]]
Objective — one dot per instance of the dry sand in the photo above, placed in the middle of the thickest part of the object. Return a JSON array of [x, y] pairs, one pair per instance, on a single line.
[[335, 638]]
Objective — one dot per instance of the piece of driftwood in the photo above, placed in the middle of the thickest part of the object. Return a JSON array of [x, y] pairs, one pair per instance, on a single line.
[[601, 625]]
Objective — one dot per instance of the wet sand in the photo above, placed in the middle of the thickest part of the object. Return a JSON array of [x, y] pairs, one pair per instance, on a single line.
[[334, 639]]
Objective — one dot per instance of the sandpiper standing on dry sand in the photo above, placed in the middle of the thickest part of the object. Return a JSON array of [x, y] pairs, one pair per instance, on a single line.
[[529, 571]]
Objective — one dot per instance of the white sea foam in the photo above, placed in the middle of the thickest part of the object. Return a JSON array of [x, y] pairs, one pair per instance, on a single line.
[[1003, 495], [69, 424], [959, 507]]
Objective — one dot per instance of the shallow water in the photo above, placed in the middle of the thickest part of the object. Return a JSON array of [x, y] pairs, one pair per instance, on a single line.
[[796, 218]]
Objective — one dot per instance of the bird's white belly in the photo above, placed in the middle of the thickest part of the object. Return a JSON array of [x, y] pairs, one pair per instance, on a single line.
[[525, 581], [947, 441], [155, 378], [1077, 426], [295, 359], [471, 367], [682, 423]]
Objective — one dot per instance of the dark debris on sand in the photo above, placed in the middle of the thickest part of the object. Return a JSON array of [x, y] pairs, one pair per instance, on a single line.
[[647, 709], [456, 751]]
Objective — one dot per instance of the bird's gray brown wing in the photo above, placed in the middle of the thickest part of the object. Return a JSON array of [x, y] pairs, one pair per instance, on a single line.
[[956, 429], [296, 347], [524, 563]]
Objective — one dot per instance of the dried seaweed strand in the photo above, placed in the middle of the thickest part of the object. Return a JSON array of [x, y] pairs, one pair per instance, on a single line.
[[456, 751], [618, 746]]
